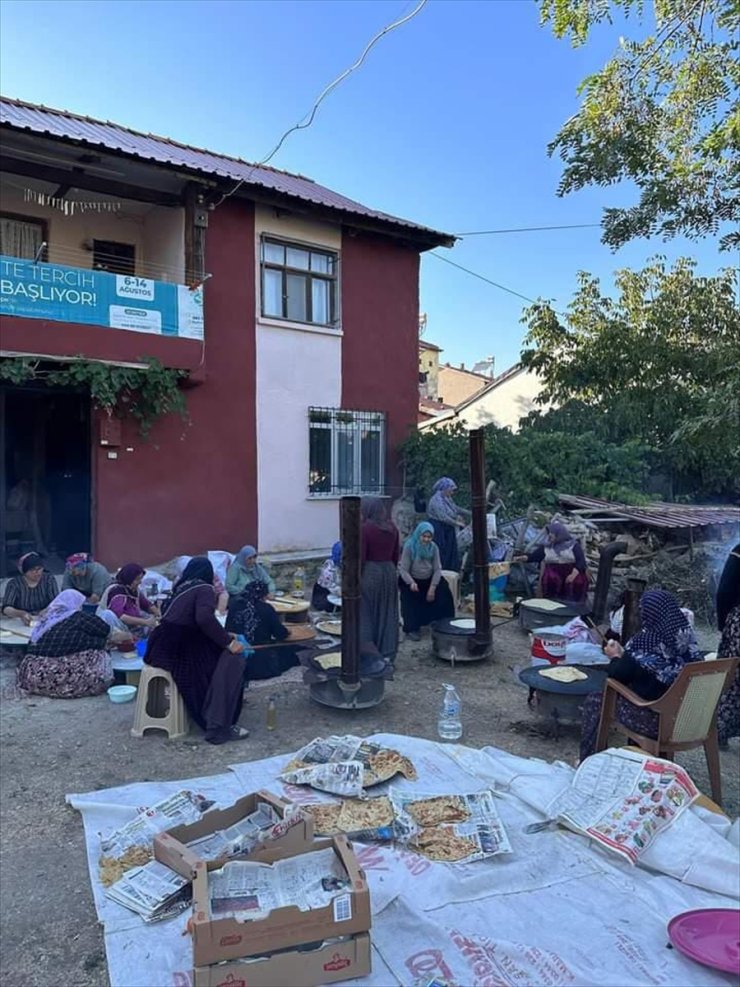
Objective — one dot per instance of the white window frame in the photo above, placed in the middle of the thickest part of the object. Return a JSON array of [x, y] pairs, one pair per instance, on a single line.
[[375, 421]]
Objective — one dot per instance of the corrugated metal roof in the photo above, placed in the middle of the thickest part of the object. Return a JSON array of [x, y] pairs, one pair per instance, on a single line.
[[658, 515], [164, 151]]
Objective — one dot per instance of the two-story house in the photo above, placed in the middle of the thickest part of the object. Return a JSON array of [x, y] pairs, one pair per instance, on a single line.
[[292, 309]]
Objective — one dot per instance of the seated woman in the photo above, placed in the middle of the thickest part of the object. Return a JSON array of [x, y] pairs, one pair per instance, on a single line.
[[329, 581], [204, 660], [86, 576], [130, 606], [425, 595], [252, 616], [178, 567], [565, 576], [446, 517], [66, 658], [31, 591], [728, 620], [245, 569], [648, 665]]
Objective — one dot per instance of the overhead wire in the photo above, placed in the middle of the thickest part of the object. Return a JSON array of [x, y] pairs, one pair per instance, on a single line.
[[307, 120], [482, 277], [531, 229]]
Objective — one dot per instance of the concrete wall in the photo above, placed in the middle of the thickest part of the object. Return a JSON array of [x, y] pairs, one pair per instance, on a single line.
[[505, 404], [455, 386]]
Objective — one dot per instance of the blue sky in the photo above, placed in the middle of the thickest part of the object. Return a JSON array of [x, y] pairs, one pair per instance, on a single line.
[[446, 123]]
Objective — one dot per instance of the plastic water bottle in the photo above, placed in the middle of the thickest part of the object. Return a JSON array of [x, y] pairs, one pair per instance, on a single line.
[[299, 581], [271, 713], [449, 726]]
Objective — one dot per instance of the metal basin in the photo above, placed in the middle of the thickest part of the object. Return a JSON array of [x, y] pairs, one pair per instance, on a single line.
[[447, 637]]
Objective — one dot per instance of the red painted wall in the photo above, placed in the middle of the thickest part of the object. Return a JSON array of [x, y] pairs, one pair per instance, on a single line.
[[189, 487], [380, 318]]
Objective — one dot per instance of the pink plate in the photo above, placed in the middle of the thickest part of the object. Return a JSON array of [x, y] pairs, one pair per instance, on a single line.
[[710, 936]]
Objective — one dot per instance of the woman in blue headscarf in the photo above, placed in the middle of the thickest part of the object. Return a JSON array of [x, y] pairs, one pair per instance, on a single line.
[[446, 517], [245, 569], [329, 581], [425, 595]]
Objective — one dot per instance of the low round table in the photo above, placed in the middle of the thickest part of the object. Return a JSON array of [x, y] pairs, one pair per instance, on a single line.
[[560, 702]]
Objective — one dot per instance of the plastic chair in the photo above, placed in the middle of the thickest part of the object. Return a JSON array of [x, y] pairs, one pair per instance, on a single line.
[[154, 710], [687, 714]]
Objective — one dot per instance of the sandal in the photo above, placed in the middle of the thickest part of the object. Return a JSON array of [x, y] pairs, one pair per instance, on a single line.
[[239, 733]]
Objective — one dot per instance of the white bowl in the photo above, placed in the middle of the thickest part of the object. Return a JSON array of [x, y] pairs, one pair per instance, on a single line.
[[121, 693]]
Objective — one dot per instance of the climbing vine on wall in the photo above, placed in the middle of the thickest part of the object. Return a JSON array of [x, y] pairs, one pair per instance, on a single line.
[[145, 393]]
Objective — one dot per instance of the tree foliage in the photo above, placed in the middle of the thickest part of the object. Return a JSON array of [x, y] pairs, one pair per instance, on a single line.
[[663, 113], [532, 466], [658, 363]]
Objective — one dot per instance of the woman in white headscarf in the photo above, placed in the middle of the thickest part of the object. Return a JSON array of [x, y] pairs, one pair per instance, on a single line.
[[66, 658]]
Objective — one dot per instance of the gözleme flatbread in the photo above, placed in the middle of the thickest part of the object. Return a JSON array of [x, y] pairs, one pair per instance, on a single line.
[[387, 763], [441, 843], [563, 673], [441, 809]]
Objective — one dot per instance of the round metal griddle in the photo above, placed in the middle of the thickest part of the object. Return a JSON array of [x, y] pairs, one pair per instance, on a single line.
[[532, 615], [559, 703], [333, 693], [447, 637]]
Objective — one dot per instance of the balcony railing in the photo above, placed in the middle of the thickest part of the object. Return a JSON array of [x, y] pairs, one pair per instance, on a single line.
[[39, 290]]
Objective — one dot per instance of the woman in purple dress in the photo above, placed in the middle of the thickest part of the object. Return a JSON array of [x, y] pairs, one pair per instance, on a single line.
[[565, 576], [205, 661]]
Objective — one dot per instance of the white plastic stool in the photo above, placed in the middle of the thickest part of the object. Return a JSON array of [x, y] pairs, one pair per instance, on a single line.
[[154, 710], [453, 581]]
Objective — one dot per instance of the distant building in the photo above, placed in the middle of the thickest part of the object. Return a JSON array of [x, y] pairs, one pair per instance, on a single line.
[[503, 402], [456, 384], [486, 367], [428, 369]]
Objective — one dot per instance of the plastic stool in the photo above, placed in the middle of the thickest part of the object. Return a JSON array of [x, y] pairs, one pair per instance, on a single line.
[[154, 711], [453, 581]]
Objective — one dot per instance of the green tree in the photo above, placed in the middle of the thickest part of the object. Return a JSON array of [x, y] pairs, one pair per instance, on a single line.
[[658, 362], [663, 113]]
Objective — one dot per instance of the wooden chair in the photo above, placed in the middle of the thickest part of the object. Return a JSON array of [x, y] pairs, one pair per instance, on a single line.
[[687, 714]]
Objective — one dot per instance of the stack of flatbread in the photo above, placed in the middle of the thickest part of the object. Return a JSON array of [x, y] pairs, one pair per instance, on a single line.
[[563, 673], [379, 764], [436, 838]]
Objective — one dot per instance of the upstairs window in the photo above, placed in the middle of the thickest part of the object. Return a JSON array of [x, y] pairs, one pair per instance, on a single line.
[[299, 283], [346, 452], [22, 237], [115, 257]]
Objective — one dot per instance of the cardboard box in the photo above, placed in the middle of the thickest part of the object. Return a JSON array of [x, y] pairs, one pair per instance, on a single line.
[[331, 962], [171, 848], [219, 939]]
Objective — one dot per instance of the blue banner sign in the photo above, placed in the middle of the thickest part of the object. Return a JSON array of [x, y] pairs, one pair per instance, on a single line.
[[97, 298]]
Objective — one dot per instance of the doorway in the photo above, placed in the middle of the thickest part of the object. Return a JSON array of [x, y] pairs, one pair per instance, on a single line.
[[46, 478]]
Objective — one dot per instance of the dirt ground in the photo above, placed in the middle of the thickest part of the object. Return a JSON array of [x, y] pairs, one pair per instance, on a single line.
[[49, 748]]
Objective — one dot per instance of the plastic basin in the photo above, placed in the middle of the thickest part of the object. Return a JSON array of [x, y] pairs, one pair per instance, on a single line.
[[121, 693]]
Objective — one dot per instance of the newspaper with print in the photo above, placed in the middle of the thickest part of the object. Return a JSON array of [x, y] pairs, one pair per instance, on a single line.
[[451, 828], [153, 891], [245, 834], [248, 890], [183, 807], [623, 800], [328, 764]]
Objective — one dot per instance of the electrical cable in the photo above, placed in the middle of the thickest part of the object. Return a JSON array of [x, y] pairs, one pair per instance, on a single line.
[[531, 229], [481, 277], [304, 123]]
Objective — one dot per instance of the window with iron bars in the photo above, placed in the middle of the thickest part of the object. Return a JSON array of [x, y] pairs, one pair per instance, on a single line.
[[346, 452], [299, 283]]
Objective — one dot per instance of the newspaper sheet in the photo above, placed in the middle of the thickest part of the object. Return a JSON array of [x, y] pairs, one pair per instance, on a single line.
[[153, 891], [183, 807], [249, 890], [623, 800], [343, 765], [324, 750], [459, 828], [245, 834]]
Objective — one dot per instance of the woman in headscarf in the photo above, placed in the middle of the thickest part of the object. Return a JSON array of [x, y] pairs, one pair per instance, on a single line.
[[66, 658], [380, 551], [565, 576], [329, 581], [130, 606], [204, 660], [648, 665], [425, 595], [31, 591], [728, 619], [253, 617], [446, 517], [245, 569], [85, 575]]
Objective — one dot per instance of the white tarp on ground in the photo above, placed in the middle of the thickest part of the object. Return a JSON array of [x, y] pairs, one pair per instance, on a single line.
[[558, 910]]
